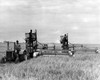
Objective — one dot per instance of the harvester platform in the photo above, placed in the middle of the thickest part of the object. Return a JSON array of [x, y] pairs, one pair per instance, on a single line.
[[56, 52]]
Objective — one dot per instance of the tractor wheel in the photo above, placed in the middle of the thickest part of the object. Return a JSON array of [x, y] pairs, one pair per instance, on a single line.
[[3, 60], [17, 60]]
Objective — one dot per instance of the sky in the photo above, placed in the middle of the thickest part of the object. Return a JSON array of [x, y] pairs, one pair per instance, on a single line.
[[52, 18]]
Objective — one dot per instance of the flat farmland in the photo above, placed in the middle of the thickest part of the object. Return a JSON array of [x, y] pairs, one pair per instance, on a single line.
[[84, 65]]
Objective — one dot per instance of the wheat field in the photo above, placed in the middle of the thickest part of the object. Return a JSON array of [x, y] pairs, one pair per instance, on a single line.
[[79, 67], [82, 66]]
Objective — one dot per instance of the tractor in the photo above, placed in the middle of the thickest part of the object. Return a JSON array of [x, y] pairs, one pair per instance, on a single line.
[[11, 55], [31, 47]]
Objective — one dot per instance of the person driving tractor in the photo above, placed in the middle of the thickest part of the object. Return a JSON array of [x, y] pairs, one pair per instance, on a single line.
[[17, 49]]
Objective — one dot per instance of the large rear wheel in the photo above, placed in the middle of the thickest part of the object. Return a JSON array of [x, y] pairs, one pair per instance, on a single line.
[[3, 60]]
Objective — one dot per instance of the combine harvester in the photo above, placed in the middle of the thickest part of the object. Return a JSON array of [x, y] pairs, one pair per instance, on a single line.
[[32, 49], [66, 48]]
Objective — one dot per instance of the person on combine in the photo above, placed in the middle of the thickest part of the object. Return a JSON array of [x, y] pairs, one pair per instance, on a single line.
[[17, 49], [30, 37], [65, 41]]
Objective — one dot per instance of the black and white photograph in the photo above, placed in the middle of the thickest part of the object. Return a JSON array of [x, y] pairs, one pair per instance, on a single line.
[[49, 39]]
